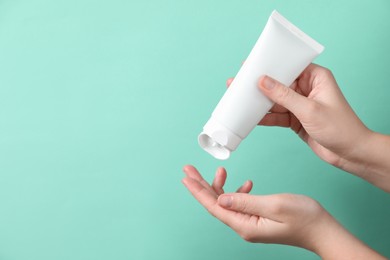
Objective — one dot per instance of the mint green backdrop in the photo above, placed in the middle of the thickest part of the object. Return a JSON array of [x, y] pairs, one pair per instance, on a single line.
[[101, 103]]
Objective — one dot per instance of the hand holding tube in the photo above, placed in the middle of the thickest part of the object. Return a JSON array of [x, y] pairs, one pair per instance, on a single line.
[[317, 111], [315, 108], [282, 51]]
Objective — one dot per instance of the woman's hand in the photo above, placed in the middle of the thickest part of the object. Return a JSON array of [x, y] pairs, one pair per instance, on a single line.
[[281, 219], [315, 108]]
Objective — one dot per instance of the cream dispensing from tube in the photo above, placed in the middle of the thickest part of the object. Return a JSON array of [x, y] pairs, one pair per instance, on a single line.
[[282, 52]]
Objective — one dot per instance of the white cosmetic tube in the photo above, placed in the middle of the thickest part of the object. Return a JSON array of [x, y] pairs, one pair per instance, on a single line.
[[282, 52]]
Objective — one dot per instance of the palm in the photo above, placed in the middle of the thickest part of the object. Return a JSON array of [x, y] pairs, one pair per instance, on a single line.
[[208, 194]]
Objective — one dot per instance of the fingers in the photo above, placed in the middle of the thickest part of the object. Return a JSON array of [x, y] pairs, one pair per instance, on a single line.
[[251, 226], [276, 119], [265, 206], [209, 201], [285, 120], [201, 193], [229, 81], [246, 187], [284, 96], [193, 173], [278, 109], [219, 180]]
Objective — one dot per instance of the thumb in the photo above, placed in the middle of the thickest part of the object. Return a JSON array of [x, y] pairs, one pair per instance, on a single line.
[[266, 206], [284, 96]]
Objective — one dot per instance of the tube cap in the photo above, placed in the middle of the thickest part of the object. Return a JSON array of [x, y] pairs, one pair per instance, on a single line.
[[218, 140]]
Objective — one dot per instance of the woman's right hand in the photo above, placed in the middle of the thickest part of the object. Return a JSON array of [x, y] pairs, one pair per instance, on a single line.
[[315, 108]]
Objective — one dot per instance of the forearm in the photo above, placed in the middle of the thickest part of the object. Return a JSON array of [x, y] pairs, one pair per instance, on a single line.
[[349, 248], [335, 242], [371, 160]]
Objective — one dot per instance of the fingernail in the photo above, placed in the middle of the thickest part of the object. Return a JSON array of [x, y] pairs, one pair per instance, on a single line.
[[268, 83], [225, 201]]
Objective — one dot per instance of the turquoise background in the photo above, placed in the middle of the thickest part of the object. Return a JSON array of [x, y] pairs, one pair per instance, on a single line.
[[101, 103]]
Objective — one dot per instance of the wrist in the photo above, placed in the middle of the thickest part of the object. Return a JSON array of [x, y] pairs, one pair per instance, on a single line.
[[369, 159], [359, 146], [333, 241], [321, 241]]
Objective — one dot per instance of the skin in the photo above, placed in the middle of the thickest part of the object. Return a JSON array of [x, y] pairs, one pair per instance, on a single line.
[[315, 109], [282, 218]]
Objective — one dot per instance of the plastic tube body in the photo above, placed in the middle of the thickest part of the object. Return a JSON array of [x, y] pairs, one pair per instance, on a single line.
[[281, 52]]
